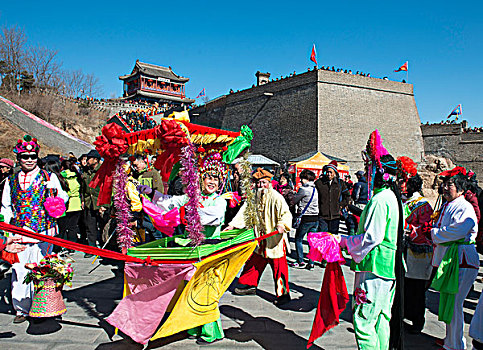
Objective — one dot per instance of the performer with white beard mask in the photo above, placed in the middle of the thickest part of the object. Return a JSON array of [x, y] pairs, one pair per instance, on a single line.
[[273, 214], [23, 200]]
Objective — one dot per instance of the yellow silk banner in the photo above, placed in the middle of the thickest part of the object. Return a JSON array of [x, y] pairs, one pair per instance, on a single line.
[[198, 302]]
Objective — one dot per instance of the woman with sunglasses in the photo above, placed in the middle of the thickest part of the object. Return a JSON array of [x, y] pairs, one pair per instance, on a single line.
[[23, 199]]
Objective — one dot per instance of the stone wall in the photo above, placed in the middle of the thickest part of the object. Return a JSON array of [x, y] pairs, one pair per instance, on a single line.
[[281, 113], [450, 140], [320, 110], [350, 107]]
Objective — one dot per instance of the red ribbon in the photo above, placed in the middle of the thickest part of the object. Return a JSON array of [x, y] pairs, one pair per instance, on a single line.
[[110, 145], [265, 236], [72, 245], [108, 253]]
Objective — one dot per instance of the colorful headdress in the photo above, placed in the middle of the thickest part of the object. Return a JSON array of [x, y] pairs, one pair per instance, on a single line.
[[455, 171], [372, 157], [406, 168], [211, 163], [375, 149], [28, 144]]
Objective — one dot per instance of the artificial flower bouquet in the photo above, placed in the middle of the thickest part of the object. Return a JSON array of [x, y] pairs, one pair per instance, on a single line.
[[51, 267]]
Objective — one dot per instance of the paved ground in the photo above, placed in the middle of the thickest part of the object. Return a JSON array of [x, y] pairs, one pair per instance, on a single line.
[[250, 322]]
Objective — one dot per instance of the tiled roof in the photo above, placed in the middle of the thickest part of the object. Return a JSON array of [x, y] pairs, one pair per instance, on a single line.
[[155, 71]]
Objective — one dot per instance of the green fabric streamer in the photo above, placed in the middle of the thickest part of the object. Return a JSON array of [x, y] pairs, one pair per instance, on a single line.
[[174, 171], [446, 279], [241, 143]]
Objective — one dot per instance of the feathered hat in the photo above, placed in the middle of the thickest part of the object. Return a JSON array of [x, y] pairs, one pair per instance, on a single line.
[[372, 155], [211, 163], [375, 149], [28, 144]]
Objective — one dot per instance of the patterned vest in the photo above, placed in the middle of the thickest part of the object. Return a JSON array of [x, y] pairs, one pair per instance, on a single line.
[[28, 205]]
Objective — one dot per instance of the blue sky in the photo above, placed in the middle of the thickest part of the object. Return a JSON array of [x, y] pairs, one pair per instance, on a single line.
[[220, 45]]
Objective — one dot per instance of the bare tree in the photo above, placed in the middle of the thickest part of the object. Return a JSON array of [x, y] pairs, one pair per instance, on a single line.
[[92, 86], [73, 83], [13, 54], [45, 67], [23, 67]]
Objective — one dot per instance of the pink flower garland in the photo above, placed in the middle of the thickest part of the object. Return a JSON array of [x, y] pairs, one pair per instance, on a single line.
[[123, 211], [191, 179]]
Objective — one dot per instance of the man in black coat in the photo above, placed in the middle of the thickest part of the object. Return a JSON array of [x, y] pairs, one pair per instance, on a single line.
[[333, 196]]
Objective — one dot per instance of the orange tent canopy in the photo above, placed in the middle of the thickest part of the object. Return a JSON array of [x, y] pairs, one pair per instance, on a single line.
[[315, 163]]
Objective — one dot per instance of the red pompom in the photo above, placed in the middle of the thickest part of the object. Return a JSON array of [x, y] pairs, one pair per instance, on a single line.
[[407, 165], [201, 149], [224, 148]]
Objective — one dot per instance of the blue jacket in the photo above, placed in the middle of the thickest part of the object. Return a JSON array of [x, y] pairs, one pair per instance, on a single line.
[[360, 191]]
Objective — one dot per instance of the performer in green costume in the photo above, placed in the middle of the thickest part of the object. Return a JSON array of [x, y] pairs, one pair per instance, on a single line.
[[373, 250]]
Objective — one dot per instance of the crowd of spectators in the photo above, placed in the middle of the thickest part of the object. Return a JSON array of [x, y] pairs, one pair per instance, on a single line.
[[475, 129], [347, 71], [139, 119], [466, 129]]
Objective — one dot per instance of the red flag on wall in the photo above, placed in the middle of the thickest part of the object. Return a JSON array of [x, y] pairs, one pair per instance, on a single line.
[[313, 56], [404, 67]]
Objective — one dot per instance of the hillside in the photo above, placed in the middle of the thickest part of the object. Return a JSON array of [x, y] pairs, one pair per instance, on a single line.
[[9, 134], [65, 132], [76, 119]]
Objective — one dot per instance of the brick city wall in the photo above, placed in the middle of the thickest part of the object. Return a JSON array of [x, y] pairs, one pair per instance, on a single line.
[[449, 140], [321, 110], [281, 113], [350, 107]]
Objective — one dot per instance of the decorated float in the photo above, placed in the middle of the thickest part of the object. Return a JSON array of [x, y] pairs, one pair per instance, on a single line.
[[182, 277], [174, 283]]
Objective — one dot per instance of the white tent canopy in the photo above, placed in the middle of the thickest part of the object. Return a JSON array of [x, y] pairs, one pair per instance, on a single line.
[[259, 160]]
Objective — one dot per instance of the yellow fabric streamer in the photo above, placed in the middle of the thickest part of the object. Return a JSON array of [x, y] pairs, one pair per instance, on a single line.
[[198, 303]]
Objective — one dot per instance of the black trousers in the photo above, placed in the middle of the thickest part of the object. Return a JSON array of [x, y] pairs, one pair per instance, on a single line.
[[94, 224], [415, 306], [331, 226], [69, 225]]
